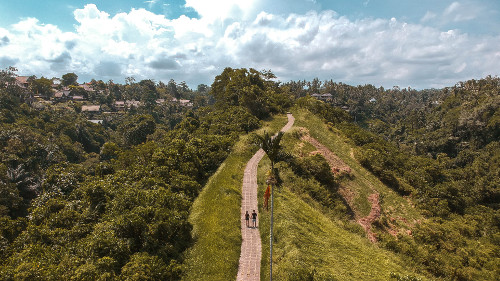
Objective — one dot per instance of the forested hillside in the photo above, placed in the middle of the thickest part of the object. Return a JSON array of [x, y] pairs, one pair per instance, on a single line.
[[445, 162], [87, 201]]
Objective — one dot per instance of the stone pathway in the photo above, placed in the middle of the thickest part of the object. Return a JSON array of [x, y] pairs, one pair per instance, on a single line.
[[251, 246]]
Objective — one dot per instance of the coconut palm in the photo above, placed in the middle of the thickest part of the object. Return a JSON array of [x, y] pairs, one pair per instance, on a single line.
[[271, 146]]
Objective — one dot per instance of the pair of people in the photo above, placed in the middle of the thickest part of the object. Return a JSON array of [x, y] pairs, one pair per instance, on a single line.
[[254, 218]]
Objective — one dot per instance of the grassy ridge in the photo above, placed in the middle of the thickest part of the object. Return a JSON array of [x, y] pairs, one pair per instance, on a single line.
[[363, 181], [215, 216], [311, 245]]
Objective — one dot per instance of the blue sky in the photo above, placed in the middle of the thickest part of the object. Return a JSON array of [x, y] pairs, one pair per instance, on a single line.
[[422, 44]]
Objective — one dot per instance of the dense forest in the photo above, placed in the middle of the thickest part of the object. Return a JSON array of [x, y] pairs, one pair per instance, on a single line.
[[89, 201], [110, 200]]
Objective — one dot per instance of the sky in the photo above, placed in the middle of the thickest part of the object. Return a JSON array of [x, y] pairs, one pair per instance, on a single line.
[[407, 43]]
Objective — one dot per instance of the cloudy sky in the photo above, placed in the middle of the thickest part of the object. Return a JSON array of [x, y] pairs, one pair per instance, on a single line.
[[422, 44]]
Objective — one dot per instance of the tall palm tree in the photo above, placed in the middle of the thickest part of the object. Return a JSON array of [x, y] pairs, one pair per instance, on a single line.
[[271, 146]]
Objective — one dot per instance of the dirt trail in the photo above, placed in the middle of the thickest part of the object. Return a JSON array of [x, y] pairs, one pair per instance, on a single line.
[[333, 160], [338, 167], [367, 221], [251, 245]]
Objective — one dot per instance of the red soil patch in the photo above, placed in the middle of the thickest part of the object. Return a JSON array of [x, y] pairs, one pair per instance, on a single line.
[[339, 167], [367, 221]]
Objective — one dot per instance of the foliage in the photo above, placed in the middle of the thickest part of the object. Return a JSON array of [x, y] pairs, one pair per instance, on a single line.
[[112, 201], [251, 89], [90, 201], [136, 129], [215, 215], [331, 114], [449, 174], [69, 79], [310, 244]]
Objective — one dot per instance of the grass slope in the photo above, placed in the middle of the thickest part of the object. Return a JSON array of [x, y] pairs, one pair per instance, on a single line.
[[309, 244], [363, 181], [215, 216]]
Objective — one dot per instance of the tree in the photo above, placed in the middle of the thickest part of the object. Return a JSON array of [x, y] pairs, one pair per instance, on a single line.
[[272, 147], [148, 85], [42, 87], [7, 76], [172, 89], [136, 130], [245, 88], [78, 91], [69, 79], [202, 89]]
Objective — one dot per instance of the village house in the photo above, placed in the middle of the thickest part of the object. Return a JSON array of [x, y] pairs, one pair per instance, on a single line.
[[22, 81], [119, 105], [91, 108], [132, 103], [96, 121], [323, 97], [123, 105], [87, 87], [186, 103], [62, 95]]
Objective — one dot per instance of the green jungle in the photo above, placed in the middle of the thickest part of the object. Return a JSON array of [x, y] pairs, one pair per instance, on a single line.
[[147, 185]]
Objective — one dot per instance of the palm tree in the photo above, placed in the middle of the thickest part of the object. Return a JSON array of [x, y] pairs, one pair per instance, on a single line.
[[272, 147]]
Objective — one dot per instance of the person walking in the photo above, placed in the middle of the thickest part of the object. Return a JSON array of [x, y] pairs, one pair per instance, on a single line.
[[254, 218], [247, 219]]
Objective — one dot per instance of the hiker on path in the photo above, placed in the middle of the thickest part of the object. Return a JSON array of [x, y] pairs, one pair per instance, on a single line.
[[254, 218], [247, 219]]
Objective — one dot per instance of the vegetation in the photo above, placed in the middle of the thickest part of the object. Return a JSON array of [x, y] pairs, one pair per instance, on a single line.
[[314, 237], [457, 237], [216, 215], [142, 193], [86, 201]]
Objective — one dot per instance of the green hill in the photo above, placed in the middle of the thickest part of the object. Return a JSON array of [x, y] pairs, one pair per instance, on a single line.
[[316, 240], [312, 240], [215, 216]]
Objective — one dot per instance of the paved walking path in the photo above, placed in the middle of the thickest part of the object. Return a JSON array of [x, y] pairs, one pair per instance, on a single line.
[[251, 247]]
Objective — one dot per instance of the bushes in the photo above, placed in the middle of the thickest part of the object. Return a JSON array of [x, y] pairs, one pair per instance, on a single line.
[[331, 114], [314, 167]]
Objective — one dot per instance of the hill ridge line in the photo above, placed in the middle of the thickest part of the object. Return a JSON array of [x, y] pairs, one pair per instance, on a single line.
[[251, 245]]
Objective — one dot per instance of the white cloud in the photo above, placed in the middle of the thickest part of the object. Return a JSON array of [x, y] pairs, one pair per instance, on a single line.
[[222, 9], [151, 3], [464, 11], [428, 16], [145, 45]]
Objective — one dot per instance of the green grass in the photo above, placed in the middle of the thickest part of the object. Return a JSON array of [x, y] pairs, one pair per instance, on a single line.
[[363, 181], [311, 245], [215, 216], [309, 242]]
